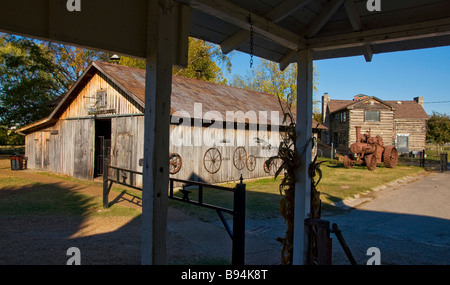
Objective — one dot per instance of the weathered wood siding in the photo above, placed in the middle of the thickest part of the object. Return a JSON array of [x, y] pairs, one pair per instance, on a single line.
[[116, 99], [65, 148], [226, 141], [384, 127], [339, 130], [415, 129]]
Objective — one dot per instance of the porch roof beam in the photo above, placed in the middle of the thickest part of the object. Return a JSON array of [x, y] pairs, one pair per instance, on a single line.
[[325, 14], [399, 33], [275, 15], [238, 16]]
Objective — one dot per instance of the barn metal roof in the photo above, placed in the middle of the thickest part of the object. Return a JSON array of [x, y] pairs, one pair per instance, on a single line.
[[185, 93]]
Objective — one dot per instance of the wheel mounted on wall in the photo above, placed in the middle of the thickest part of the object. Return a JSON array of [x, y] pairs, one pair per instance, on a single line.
[[251, 162], [240, 157], [212, 160], [175, 163]]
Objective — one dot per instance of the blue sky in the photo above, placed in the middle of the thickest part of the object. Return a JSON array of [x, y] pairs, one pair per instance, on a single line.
[[389, 76]]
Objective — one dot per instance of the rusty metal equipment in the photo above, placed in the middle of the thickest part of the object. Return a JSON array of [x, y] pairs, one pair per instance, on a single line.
[[369, 151]]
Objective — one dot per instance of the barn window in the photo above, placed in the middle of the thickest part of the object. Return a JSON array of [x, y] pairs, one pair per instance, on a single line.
[[101, 99], [372, 116]]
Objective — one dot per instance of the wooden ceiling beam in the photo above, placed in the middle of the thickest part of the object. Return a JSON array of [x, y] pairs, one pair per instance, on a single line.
[[275, 15], [368, 53], [353, 15], [238, 16], [405, 32], [325, 14]]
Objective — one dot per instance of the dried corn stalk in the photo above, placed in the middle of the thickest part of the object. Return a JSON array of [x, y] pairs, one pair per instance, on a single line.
[[289, 163]]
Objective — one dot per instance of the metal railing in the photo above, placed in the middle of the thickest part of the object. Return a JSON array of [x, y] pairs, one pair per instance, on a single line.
[[127, 178]]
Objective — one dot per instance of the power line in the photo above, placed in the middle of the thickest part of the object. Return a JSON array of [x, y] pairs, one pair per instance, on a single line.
[[436, 102]]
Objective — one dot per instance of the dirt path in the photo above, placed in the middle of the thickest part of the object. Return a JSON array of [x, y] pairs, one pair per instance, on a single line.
[[117, 240]]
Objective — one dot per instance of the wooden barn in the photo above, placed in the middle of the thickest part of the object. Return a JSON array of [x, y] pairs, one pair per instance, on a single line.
[[217, 132], [399, 123]]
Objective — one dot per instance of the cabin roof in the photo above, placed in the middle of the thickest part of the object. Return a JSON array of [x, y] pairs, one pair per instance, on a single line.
[[402, 109]]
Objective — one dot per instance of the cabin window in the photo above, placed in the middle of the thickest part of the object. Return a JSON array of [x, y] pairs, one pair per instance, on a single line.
[[342, 117], [372, 116]]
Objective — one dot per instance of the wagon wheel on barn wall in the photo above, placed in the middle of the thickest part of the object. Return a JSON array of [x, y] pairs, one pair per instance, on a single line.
[[240, 157], [212, 160], [251, 162], [267, 166], [276, 163], [175, 163]]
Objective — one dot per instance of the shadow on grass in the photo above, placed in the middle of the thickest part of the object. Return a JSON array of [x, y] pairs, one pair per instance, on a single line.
[[39, 222]]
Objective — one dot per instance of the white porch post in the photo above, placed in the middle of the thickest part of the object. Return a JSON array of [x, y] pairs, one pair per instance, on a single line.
[[158, 89], [303, 150]]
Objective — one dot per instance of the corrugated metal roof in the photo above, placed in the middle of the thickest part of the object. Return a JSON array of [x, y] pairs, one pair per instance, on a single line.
[[186, 93], [213, 97]]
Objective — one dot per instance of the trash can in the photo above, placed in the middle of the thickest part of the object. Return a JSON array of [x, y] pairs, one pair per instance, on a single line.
[[18, 162]]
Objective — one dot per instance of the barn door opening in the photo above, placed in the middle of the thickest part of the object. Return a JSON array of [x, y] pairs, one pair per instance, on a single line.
[[102, 144]]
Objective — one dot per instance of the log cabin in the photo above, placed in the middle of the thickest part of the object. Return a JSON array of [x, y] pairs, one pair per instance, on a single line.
[[399, 123], [218, 132]]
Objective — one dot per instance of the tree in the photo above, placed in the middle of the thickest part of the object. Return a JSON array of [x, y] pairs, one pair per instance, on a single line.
[[438, 129], [203, 60], [268, 78], [29, 79], [73, 61], [34, 75]]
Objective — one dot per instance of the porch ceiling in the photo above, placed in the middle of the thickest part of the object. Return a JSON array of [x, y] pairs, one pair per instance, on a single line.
[[334, 28]]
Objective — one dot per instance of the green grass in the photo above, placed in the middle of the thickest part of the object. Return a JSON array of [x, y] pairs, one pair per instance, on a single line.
[[339, 183], [21, 196], [336, 185]]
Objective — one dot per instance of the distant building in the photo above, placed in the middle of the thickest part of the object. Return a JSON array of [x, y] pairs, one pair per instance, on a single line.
[[399, 123]]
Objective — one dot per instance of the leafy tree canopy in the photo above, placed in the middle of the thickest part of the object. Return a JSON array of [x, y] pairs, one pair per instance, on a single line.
[[204, 60], [438, 129], [33, 76], [267, 77]]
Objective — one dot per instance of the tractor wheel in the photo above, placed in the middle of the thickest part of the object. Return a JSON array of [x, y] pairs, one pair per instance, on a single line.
[[390, 156], [371, 162], [348, 163]]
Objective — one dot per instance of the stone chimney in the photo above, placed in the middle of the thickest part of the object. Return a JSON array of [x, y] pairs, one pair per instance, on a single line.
[[325, 100], [419, 100]]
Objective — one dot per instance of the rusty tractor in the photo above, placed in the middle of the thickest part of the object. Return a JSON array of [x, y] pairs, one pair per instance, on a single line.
[[369, 151]]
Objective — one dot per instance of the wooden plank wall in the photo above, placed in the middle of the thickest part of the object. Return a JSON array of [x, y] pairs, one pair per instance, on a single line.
[[66, 148], [127, 150], [416, 129], [116, 99], [384, 127]]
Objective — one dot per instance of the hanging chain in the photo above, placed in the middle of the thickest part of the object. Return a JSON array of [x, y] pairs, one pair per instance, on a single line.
[[251, 39]]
